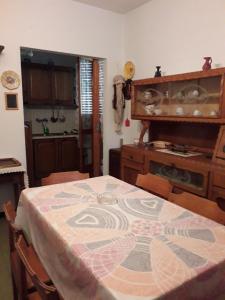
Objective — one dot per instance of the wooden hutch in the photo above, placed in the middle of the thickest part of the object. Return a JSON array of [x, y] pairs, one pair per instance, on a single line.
[[188, 112]]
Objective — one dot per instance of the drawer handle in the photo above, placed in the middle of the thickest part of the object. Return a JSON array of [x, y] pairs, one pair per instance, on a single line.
[[131, 156]]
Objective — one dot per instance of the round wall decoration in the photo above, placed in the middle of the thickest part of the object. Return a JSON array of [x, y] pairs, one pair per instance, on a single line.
[[129, 70], [10, 80]]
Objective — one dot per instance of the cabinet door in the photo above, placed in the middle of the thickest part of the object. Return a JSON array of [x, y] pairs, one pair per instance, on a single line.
[[40, 86], [45, 157], [180, 96], [130, 170], [63, 86], [182, 175], [68, 155]]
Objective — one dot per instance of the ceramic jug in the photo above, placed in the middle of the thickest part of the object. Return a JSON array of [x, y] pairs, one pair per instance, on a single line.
[[207, 64]]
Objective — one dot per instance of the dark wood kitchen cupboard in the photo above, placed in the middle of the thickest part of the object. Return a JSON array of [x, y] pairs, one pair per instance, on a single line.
[[63, 86], [48, 85], [45, 157], [68, 154], [55, 155], [37, 84]]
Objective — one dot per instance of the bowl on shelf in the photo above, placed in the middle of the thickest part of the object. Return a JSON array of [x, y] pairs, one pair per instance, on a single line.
[[179, 111], [157, 111], [197, 113], [213, 113]]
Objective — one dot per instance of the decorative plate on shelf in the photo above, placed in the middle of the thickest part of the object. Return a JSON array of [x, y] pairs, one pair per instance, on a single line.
[[10, 80], [129, 70]]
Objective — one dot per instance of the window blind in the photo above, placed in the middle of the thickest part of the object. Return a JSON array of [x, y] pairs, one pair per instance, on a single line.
[[86, 86], [101, 84]]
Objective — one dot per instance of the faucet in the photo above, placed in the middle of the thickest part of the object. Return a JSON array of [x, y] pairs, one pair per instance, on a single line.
[[44, 126]]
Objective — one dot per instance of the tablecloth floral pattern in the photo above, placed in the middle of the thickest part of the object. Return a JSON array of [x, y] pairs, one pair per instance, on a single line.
[[102, 238]]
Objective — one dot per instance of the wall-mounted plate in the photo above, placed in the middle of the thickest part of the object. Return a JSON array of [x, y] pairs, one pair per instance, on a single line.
[[10, 80]]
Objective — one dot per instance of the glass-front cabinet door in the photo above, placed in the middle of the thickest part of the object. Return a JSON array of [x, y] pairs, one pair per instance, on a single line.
[[194, 181], [174, 96]]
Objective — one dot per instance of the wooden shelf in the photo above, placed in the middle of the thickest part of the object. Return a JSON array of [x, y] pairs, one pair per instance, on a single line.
[[180, 77], [180, 119]]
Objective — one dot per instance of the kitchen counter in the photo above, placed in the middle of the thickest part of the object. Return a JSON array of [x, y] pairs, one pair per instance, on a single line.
[[53, 136]]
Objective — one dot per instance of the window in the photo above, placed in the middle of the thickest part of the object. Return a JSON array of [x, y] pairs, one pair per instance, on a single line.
[[86, 86], [101, 84]]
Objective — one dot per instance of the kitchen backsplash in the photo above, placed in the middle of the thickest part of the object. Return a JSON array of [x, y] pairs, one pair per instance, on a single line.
[[68, 119]]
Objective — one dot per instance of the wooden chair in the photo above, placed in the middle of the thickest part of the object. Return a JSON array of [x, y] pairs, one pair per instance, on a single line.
[[199, 205], [44, 291], [14, 233], [154, 184], [62, 177]]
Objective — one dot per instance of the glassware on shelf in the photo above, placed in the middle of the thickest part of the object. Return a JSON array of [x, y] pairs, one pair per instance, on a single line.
[[180, 111], [177, 97], [197, 113], [213, 113], [191, 93]]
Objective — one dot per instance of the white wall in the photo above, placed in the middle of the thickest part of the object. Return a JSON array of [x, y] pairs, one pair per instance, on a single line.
[[56, 25], [175, 34]]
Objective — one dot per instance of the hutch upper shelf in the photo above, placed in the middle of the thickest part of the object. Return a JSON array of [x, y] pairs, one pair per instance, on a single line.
[[192, 97]]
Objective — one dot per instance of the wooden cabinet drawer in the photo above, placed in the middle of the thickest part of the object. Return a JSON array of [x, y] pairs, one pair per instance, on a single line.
[[133, 154], [219, 179], [130, 170]]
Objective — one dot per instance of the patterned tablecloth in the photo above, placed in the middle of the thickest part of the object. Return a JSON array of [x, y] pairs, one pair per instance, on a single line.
[[102, 238]]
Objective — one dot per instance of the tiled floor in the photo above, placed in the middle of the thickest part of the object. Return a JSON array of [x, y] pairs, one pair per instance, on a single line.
[[5, 276]]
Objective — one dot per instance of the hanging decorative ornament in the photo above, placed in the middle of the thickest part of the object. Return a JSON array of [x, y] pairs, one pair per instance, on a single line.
[[127, 122], [10, 80], [129, 70], [118, 101]]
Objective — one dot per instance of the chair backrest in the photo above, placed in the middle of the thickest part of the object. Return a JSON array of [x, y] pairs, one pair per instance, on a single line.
[[46, 292], [199, 205], [9, 211], [14, 231], [62, 177], [154, 184]]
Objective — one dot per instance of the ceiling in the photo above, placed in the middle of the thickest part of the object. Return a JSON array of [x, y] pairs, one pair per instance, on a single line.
[[119, 6]]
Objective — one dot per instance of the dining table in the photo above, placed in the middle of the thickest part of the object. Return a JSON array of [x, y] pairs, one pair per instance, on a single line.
[[102, 238]]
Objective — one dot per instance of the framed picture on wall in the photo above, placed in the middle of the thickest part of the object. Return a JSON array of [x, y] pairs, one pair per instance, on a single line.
[[11, 101]]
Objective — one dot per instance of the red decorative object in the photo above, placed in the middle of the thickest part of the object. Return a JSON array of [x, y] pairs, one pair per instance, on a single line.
[[207, 64], [127, 122]]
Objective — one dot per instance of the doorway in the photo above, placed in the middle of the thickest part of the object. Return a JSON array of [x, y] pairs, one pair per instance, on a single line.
[[63, 106]]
